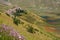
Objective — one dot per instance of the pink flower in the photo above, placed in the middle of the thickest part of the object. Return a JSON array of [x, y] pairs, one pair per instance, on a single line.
[[11, 31]]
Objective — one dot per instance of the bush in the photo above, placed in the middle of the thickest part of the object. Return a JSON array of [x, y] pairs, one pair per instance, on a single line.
[[20, 11], [16, 21], [30, 29], [16, 14]]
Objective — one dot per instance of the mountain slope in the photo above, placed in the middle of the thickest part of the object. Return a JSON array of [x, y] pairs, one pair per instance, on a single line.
[[21, 28], [34, 25]]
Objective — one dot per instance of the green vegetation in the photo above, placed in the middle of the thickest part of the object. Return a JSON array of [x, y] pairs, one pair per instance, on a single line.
[[19, 12], [16, 21], [31, 33], [34, 32], [8, 33], [31, 29], [5, 36]]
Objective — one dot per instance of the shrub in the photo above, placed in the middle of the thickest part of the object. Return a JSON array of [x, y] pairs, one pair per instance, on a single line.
[[30, 29], [16, 14], [16, 21], [20, 11], [41, 32]]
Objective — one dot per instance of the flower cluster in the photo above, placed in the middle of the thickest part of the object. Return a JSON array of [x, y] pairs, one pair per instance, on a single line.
[[11, 32]]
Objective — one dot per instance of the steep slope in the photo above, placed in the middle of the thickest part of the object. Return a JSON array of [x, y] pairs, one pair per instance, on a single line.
[[21, 28], [37, 9], [48, 8]]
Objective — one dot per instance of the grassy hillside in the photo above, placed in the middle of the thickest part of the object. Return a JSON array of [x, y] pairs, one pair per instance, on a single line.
[[29, 20], [41, 22]]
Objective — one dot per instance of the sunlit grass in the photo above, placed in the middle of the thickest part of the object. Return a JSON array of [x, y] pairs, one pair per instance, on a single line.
[[21, 28]]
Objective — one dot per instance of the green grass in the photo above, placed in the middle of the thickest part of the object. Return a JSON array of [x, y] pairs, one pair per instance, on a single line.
[[5, 36], [21, 28], [28, 20]]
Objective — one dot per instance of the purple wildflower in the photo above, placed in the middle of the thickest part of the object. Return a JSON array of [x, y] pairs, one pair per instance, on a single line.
[[11, 31]]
